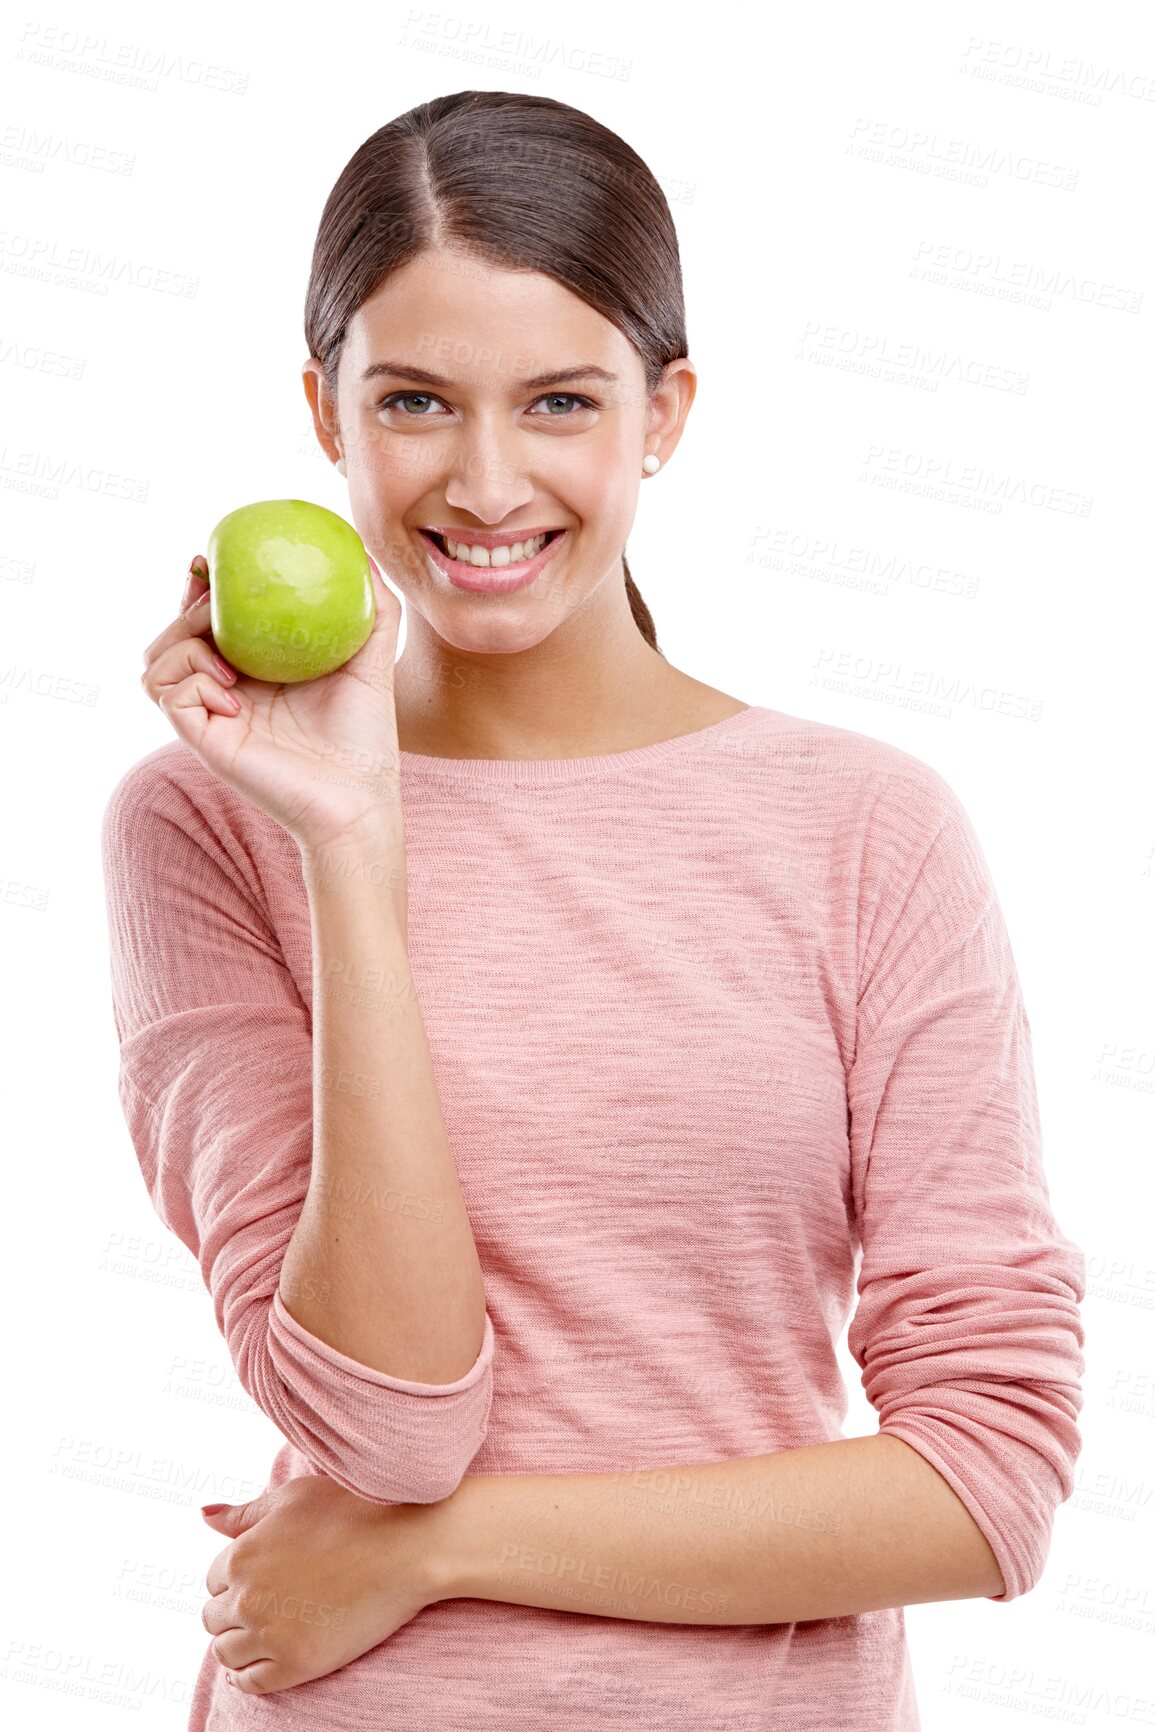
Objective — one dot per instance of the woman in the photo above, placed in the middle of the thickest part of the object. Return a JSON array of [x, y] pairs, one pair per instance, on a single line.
[[535, 1045]]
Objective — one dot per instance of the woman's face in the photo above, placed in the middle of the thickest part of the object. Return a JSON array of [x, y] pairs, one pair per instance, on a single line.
[[483, 446]]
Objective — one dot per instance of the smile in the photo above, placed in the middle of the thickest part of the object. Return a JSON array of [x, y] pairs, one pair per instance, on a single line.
[[492, 570], [491, 552]]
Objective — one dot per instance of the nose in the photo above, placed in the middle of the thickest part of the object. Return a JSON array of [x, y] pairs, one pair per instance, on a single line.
[[484, 478]]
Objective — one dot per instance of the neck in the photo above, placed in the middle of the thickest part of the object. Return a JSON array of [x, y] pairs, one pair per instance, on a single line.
[[588, 686]]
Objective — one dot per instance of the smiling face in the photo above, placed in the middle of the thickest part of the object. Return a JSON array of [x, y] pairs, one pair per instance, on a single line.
[[490, 404]]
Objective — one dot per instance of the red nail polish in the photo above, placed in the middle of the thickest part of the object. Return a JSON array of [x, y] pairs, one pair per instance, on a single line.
[[212, 1508]]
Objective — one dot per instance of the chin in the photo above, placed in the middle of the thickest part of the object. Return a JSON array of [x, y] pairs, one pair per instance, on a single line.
[[504, 636]]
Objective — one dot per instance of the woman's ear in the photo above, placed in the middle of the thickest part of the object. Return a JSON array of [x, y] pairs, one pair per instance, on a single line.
[[324, 409], [670, 404]]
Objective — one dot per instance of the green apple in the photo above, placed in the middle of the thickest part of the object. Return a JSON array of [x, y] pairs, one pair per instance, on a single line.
[[291, 593]]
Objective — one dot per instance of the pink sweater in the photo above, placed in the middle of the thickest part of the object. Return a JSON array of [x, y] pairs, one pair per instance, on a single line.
[[727, 1032]]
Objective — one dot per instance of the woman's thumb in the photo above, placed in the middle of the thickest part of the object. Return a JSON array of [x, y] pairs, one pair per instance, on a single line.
[[230, 1518]]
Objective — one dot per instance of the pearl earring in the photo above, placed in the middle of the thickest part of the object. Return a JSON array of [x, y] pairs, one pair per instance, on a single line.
[[340, 466], [651, 464]]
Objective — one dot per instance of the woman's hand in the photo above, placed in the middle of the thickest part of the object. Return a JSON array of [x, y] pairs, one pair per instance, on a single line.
[[313, 1578], [319, 756]]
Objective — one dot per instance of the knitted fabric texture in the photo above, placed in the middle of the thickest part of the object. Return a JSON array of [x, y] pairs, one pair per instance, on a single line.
[[732, 1054]]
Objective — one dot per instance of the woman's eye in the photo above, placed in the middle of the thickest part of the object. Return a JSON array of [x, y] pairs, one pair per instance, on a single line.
[[565, 397], [409, 397]]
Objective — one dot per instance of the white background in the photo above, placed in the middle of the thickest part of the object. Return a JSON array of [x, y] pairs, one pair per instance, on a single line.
[[918, 272]]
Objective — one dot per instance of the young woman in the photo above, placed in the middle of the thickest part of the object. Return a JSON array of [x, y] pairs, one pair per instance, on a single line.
[[540, 1050]]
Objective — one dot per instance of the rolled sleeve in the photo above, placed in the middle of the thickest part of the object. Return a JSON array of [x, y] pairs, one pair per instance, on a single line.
[[216, 1087], [369, 1425], [968, 1330]]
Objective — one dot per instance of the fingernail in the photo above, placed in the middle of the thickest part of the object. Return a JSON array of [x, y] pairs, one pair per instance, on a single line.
[[198, 566], [229, 1679], [212, 1508], [204, 596]]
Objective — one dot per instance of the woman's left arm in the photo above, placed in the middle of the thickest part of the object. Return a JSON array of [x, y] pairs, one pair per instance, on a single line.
[[833, 1529], [314, 1576]]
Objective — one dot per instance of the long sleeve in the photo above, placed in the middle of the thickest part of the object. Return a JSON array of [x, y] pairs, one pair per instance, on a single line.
[[967, 1329], [216, 1087]]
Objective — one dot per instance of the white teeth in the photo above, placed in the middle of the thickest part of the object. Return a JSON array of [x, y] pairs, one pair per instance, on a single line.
[[515, 555]]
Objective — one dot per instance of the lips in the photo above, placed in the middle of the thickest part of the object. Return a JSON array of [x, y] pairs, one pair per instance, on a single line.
[[490, 580]]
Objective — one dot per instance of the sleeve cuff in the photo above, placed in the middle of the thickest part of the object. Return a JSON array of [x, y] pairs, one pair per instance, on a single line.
[[999, 1530], [284, 1323]]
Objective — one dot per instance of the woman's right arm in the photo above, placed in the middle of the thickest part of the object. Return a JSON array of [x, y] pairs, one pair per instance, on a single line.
[[216, 1086], [310, 1173], [382, 1263]]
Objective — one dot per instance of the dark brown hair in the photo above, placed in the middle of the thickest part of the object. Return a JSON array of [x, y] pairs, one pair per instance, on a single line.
[[521, 182]]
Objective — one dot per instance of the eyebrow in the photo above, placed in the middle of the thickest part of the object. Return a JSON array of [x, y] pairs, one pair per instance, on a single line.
[[539, 381]]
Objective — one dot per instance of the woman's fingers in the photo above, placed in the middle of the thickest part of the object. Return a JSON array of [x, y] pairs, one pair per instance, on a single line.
[[262, 1677], [217, 1575], [197, 579], [195, 618], [188, 675], [233, 1644], [237, 1649], [217, 1616], [199, 692], [196, 594]]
